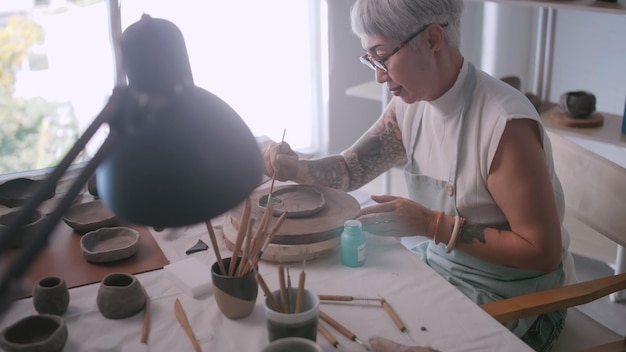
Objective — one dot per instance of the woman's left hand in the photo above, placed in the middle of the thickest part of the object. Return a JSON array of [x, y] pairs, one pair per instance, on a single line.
[[396, 216]]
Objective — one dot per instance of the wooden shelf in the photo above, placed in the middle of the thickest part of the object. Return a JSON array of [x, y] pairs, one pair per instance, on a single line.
[[579, 5], [610, 132]]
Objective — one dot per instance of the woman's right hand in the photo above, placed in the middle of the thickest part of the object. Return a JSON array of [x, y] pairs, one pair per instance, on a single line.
[[279, 159]]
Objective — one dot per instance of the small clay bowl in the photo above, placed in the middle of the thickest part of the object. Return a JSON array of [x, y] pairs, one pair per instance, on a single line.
[[89, 216], [295, 201], [109, 244], [35, 333], [577, 104], [120, 295], [29, 230], [14, 193]]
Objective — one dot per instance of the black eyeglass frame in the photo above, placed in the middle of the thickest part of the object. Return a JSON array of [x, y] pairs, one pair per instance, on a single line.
[[374, 64]]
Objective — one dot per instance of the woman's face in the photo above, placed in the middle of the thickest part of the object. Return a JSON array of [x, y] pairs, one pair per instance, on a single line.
[[411, 73]]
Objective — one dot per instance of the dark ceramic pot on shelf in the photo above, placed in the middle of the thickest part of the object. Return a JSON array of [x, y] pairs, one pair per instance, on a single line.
[[120, 296], [577, 104], [51, 296]]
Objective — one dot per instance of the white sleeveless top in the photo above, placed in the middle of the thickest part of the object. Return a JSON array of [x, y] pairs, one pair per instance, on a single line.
[[494, 103]]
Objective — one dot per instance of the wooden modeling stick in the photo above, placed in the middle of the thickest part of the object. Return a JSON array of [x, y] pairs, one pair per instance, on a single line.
[[283, 287], [396, 319], [300, 293], [342, 329], [216, 250], [259, 279], [243, 227], [328, 336], [269, 197]]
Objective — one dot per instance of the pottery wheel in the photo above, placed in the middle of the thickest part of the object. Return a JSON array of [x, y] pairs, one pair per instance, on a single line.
[[324, 225]]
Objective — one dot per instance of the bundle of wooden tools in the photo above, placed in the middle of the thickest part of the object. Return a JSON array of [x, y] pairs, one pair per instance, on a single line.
[[250, 244]]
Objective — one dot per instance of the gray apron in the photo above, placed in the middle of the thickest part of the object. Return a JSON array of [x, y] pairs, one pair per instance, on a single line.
[[479, 280]]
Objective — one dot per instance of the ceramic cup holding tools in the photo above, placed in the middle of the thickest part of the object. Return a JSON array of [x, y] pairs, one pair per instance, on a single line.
[[235, 295], [51, 296], [302, 324], [289, 344]]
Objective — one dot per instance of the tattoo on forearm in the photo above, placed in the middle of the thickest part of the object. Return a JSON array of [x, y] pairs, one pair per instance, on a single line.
[[471, 232], [330, 172], [375, 152]]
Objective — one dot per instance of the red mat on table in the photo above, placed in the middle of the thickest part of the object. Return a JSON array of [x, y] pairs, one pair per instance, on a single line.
[[64, 258]]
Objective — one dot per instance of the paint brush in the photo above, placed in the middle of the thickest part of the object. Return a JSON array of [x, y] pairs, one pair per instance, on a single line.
[[269, 197]]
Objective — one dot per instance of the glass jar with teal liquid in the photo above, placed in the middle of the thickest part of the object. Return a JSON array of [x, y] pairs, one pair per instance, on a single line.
[[352, 244]]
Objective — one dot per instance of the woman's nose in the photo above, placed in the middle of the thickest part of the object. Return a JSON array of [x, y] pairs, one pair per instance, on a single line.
[[381, 76]]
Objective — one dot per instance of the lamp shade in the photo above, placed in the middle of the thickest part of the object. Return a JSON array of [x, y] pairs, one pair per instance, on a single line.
[[184, 159]]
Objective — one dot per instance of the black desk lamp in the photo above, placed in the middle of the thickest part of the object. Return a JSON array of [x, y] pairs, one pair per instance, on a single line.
[[175, 154]]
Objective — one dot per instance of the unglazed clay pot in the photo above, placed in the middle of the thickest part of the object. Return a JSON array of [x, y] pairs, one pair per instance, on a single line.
[[51, 296], [35, 333], [29, 230], [120, 296], [235, 295]]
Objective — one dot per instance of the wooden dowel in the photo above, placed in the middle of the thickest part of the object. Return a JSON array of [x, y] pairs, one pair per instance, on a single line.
[[243, 267], [393, 315], [269, 197], [300, 294], [327, 335], [145, 328], [335, 324], [243, 227], [273, 304], [216, 250], [283, 287]]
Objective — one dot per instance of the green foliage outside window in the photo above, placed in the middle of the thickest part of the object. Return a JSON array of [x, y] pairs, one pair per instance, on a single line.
[[34, 133]]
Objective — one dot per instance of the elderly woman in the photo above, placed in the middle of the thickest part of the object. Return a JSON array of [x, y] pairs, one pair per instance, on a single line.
[[478, 163]]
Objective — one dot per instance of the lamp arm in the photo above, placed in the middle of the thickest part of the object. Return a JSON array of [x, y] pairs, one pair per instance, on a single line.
[[8, 279]]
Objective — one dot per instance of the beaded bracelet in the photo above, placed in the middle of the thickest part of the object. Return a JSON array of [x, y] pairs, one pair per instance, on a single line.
[[456, 231], [437, 222]]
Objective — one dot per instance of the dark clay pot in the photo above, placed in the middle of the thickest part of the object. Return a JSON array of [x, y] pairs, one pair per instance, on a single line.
[[51, 296], [120, 296], [577, 104], [35, 333]]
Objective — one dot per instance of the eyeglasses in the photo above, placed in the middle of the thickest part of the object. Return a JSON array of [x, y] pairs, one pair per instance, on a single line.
[[374, 64]]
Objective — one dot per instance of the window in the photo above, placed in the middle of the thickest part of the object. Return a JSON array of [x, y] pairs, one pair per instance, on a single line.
[[261, 57]]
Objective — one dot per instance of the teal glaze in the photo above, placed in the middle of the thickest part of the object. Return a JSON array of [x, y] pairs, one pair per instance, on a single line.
[[352, 244]]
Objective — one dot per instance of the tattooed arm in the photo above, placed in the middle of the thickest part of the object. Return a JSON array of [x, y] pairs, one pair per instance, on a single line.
[[519, 183], [376, 151]]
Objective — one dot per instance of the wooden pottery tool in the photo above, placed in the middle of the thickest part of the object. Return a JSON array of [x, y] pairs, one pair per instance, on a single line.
[[182, 320], [342, 329]]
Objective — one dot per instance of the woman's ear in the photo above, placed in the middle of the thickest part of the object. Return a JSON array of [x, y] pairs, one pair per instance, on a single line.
[[435, 36]]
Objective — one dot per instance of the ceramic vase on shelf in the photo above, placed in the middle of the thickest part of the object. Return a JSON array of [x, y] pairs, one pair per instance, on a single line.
[[120, 295], [51, 296]]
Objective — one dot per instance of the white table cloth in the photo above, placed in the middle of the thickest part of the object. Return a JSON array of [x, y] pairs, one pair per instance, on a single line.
[[435, 313]]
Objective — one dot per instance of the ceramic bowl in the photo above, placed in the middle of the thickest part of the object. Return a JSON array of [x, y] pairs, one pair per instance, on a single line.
[[89, 216], [29, 230], [109, 244], [35, 333], [15, 192]]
